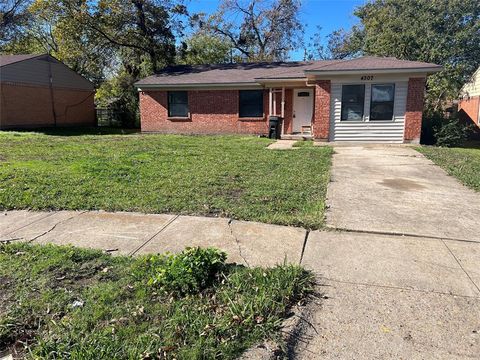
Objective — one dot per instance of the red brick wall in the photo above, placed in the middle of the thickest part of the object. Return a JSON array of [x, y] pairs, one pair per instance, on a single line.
[[31, 106], [471, 108], [413, 114], [211, 112], [321, 118]]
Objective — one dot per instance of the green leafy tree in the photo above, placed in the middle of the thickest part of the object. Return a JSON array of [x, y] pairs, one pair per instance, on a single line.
[[142, 35], [205, 49], [52, 30], [112, 42], [14, 17], [445, 32], [143, 28]]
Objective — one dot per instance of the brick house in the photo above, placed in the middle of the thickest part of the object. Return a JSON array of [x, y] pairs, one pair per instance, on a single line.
[[40, 91], [469, 104], [364, 99]]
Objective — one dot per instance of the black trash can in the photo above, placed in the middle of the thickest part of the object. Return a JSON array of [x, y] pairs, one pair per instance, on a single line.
[[275, 127]]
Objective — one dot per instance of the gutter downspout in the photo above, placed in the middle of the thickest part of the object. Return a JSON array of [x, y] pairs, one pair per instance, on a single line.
[[52, 99]]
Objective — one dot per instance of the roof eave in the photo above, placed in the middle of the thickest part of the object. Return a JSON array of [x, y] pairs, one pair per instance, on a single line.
[[280, 79], [424, 70], [140, 86]]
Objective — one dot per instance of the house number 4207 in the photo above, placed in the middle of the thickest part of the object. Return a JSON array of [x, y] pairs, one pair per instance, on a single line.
[[367, 77]]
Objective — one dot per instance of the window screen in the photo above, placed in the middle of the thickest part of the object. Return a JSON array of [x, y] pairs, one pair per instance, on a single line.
[[250, 103], [381, 105], [353, 98], [177, 104]]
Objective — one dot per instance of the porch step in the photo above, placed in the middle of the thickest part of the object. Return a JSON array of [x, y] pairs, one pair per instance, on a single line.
[[307, 129], [297, 136]]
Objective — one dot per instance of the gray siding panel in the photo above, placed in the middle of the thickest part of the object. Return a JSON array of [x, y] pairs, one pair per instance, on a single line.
[[36, 72], [369, 131]]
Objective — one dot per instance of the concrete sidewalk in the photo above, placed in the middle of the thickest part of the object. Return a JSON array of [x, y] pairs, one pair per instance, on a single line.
[[392, 297], [249, 243], [383, 296]]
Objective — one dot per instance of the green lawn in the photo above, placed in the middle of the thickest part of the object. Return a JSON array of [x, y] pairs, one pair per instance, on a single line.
[[463, 163], [230, 176], [70, 303]]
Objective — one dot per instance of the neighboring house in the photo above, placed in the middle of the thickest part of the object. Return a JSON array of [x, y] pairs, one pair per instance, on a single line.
[[470, 98], [364, 99], [40, 91]]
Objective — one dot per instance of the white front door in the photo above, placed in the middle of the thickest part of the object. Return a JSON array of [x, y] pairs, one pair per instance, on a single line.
[[302, 108]]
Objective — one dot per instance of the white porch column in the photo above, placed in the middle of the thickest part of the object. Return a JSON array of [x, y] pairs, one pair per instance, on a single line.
[[270, 102], [274, 103]]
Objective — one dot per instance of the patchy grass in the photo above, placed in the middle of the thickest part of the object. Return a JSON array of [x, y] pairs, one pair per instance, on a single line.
[[304, 144], [228, 176], [463, 163], [82, 304]]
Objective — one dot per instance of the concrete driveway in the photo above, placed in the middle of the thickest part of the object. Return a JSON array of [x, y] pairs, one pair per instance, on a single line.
[[386, 295], [397, 190]]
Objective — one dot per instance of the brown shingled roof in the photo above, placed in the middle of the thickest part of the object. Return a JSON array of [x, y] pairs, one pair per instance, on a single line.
[[374, 63], [10, 59], [253, 73], [223, 73]]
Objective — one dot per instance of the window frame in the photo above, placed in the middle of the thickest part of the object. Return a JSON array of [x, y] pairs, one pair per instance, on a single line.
[[372, 102], [169, 103], [363, 103], [261, 114]]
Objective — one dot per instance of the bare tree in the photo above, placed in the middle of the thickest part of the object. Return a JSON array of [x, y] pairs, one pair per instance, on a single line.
[[258, 29]]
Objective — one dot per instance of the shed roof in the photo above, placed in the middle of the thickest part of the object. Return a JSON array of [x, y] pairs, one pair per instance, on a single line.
[[40, 69], [11, 59], [251, 73]]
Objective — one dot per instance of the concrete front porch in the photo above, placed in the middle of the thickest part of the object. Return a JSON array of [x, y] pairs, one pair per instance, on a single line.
[[296, 136], [295, 106]]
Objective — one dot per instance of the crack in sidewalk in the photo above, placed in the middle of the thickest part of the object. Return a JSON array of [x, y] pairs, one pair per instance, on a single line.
[[393, 287], [54, 226], [395, 234], [304, 246], [461, 266], [237, 241], [154, 235], [27, 225]]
